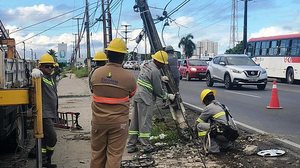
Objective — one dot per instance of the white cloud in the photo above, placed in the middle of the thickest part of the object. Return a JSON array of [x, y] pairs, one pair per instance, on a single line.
[[271, 31], [35, 12]]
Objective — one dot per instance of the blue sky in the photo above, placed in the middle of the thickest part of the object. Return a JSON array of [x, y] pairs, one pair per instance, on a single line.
[[205, 19]]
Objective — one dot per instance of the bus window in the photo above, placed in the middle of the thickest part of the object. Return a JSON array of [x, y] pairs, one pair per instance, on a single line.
[[265, 45], [257, 48], [250, 49], [295, 47], [284, 44], [274, 48]]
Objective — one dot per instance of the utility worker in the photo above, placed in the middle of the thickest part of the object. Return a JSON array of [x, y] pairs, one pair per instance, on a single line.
[[216, 120], [100, 59], [149, 87], [50, 107], [112, 87], [173, 64]]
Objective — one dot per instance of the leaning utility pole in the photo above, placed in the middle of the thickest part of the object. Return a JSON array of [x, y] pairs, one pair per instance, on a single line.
[[177, 108], [106, 20], [87, 27]]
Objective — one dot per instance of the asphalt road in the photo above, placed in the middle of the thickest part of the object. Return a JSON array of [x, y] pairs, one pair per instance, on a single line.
[[248, 105]]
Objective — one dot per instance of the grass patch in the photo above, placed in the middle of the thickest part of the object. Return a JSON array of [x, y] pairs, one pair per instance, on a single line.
[[80, 72], [161, 128]]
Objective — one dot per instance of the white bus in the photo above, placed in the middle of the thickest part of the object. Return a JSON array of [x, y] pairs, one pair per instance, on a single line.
[[279, 55]]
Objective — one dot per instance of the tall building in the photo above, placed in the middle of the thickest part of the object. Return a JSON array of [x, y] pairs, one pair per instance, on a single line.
[[206, 48], [62, 52]]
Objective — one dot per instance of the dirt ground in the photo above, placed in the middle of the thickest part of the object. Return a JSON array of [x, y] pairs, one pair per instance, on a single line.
[[73, 146]]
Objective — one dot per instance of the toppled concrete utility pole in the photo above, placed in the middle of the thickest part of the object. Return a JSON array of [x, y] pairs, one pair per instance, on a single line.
[[177, 109]]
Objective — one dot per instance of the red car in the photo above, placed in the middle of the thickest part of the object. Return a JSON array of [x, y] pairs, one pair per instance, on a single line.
[[192, 68]]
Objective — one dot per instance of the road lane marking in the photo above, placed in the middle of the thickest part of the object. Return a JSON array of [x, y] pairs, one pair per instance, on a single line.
[[286, 141], [243, 94]]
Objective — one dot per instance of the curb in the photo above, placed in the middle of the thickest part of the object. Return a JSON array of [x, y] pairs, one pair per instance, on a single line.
[[286, 143]]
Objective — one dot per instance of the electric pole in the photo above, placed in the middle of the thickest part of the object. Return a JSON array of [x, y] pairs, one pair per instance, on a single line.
[[233, 25], [87, 27], [75, 47], [126, 31], [245, 26], [78, 39], [106, 20]]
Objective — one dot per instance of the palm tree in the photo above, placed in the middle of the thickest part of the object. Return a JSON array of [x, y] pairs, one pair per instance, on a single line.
[[188, 45], [53, 54]]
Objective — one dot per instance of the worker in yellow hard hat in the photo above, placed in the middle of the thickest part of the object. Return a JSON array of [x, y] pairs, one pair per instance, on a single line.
[[215, 124], [50, 106], [112, 87], [100, 60], [149, 88]]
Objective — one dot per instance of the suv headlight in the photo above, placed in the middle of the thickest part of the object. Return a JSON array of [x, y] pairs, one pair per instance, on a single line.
[[193, 69], [263, 71], [236, 71]]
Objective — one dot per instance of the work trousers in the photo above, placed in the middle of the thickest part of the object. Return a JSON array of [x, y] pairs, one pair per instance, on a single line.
[[50, 137], [108, 142], [141, 124], [215, 143]]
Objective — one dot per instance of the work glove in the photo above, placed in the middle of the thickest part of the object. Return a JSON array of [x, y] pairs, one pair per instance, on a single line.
[[164, 79], [171, 97], [36, 73]]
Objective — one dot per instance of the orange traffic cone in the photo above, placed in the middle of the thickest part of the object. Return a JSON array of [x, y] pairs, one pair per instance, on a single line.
[[274, 102]]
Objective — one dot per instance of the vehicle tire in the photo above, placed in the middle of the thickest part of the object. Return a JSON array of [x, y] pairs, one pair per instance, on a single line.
[[261, 87], [16, 139], [227, 82], [188, 76], [209, 80], [290, 76]]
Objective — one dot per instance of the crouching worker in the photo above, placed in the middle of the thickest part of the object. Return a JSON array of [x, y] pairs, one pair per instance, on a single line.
[[215, 124]]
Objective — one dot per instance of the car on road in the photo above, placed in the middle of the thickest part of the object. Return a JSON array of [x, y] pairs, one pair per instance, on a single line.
[[131, 65], [192, 68], [235, 70]]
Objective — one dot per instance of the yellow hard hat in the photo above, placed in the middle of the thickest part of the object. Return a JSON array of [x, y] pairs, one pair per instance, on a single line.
[[161, 56], [100, 56], [205, 92], [46, 59], [117, 45]]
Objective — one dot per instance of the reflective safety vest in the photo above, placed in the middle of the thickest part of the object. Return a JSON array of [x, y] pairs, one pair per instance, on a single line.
[[145, 84], [216, 116], [109, 100], [48, 82]]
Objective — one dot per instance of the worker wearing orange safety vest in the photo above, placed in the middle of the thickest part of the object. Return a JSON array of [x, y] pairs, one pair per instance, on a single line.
[[149, 87], [215, 124], [112, 87]]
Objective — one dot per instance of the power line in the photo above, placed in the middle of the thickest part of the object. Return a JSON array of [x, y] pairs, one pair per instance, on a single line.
[[47, 19]]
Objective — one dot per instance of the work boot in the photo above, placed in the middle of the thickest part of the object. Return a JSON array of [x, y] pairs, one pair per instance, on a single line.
[[132, 149], [32, 153], [148, 149], [49, 156]]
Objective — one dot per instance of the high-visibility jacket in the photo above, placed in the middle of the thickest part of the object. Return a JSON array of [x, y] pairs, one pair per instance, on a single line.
[[49, 97], [214, 113], [112, 87], [149, 84]]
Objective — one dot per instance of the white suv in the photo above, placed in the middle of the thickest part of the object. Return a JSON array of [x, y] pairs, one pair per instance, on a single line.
[[235, 70]]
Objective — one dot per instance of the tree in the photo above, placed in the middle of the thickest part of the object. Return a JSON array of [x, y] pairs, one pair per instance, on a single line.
[[188, 45], [238, 49], [53, 54]]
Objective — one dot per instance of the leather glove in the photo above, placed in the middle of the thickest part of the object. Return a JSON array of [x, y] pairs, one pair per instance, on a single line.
[[171, 97], [36, 73], [164, 79]]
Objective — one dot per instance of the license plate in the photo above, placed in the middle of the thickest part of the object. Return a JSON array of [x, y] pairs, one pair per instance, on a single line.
[[253, 79]]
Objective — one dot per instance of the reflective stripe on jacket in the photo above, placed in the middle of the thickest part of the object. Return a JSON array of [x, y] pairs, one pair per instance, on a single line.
[[108, 100], [149, 84]]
